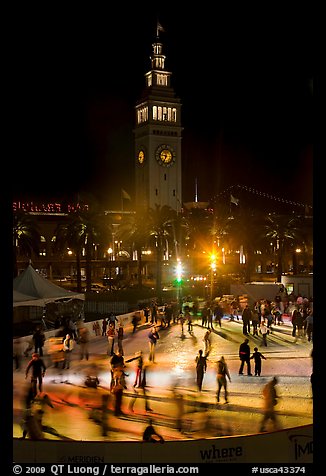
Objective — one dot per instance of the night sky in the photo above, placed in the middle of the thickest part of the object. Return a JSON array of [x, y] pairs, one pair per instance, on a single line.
[[244, 77]]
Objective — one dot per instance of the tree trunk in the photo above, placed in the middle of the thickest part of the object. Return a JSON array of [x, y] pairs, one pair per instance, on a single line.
[[78, 271], [248, 265], [15, 267], [159, 273], [280, 262], [88, 266]]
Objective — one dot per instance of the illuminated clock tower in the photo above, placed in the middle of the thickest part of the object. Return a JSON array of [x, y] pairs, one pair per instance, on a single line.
[[158, 139]]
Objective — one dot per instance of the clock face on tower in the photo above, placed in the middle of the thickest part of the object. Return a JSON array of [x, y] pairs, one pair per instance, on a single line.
[[165, 155], [141, 157]]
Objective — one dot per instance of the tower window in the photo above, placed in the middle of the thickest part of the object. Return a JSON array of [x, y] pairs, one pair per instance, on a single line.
[[142, 114], [160, 113], [156, 192], [161, 80], [164, 176]]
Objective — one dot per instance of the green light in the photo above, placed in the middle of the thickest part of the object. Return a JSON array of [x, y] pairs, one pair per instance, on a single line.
[[179, 273]]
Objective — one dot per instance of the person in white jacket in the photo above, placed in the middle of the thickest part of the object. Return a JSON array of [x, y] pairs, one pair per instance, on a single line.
[[68, 345]]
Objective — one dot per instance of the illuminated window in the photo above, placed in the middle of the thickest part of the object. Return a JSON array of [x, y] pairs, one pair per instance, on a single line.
[[142, 114], [161, 80], [160, 113]]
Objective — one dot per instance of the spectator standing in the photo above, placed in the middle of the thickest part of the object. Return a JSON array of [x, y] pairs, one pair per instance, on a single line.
[[257, 356], [153, 337], [222, 375], [244, 355], [36, 364], [201, 366], [270, 401]]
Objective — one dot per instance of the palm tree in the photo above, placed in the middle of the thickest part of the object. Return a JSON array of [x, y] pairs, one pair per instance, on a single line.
[[281, 229], [84, 228], [133, 229], [159, 228], [26, 237], [245, 229]]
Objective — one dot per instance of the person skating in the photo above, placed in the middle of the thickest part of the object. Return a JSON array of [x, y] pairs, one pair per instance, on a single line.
[[201, 367], [257, 356], [222, 375], [139, 367], [153, 337], [244, 355], [68, 345], [38, 371], [150, 435], [270, 401]]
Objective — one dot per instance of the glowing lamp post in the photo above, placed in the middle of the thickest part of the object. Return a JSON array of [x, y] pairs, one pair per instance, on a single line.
[[179, 280], [213, 270], [110, 251]]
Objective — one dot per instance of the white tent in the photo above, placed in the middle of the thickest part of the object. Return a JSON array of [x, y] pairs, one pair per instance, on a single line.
[[38, 290], [21, 299]]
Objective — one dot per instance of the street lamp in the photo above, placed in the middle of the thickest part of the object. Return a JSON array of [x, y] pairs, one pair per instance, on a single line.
[[110, 251], [213, 269], [179, 280]]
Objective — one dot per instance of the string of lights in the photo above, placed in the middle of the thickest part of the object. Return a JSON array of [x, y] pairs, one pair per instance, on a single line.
[[261, 194]]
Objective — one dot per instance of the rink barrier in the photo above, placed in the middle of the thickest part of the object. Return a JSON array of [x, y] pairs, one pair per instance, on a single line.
[[294, 446]]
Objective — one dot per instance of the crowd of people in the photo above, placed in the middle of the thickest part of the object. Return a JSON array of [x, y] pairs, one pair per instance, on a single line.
[[257, 319]]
